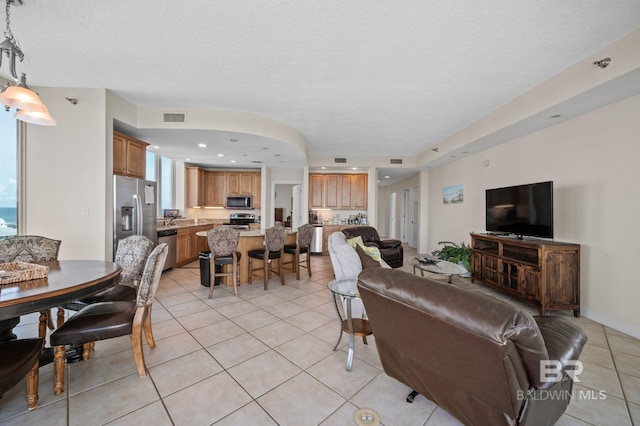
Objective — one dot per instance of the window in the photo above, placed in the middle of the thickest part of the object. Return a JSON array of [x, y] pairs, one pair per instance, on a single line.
[[166, 183], [8, 175], [151, 167]]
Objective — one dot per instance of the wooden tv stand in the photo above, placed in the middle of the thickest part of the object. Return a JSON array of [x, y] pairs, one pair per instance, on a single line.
[[539, 272]]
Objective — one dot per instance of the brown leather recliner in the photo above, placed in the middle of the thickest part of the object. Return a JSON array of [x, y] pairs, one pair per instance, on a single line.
[[475, 356], [390, 250]]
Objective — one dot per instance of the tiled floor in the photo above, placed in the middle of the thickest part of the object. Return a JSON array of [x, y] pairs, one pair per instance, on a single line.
[[266, 358]]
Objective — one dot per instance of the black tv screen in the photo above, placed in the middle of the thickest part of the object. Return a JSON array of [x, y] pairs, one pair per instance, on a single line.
[[521, 210]]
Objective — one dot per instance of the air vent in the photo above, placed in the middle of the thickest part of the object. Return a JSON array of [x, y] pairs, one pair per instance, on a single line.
[[173, 117], [396, 161], [339, 160]]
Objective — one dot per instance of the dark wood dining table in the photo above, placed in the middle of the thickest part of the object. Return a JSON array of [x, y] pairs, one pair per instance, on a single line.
[[67, 280]]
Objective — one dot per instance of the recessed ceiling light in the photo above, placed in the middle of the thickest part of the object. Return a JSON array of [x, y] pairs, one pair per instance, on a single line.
[[233, 140], [323, 167], [277, 155], [232, 161], [155, 147], [188, 159], [202, 145], [354, 168], [378, 180], [265, 147], [387, 177], [220, 155]]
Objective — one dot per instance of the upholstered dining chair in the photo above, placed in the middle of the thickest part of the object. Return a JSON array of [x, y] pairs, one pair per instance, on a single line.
[[302, 246], [32, 248], [223, 243], [19, 358], [274, 239], [131, 255], [106, 320]]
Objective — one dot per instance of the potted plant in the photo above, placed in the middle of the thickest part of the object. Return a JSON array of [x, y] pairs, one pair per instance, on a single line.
[[455, 253]]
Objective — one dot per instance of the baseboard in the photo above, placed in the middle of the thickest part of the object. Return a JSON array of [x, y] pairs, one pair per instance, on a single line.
[[610, 322]]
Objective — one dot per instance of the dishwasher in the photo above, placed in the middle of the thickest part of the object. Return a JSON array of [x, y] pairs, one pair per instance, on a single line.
[[169, 236]]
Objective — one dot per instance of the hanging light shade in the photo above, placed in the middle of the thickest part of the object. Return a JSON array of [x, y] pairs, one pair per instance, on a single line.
[[35, 117], [21, 97]]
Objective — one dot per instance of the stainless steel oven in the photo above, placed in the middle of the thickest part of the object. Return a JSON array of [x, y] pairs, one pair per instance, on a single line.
[[240, 220]]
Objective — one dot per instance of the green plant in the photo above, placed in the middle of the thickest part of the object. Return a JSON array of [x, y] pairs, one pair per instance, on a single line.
[[454, 253]]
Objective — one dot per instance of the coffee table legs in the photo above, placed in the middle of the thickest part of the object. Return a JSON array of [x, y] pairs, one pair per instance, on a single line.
[[352, 336]]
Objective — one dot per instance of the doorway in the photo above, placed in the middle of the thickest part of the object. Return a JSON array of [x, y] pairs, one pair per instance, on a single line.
[[286, 201]]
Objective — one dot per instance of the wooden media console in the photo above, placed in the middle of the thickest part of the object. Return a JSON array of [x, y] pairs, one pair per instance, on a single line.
[[539, 272]]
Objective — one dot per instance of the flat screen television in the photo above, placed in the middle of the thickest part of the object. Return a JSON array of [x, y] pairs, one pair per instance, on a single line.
[[521, 210]]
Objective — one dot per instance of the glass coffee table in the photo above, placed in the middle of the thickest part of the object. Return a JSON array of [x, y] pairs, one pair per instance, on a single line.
[[348, 290], [437, 266]]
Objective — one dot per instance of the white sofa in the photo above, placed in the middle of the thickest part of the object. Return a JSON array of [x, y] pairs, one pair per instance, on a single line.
[[344, 259], [346, 264]]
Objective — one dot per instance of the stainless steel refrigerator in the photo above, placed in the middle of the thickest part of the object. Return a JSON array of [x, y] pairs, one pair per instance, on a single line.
[[134, 203]]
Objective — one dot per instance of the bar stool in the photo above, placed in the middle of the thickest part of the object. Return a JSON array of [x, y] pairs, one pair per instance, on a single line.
[[302, 246], [274, 239], [223, 243]]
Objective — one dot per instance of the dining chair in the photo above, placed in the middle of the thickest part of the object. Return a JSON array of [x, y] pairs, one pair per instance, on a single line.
[[32, 248], [223, 243], [131, 255], [302, 246], [274, 239], [106, 320], [20, 358]]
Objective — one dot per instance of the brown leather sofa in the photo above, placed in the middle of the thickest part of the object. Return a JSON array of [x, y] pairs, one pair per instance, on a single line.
[[390, 250], [475, 356]]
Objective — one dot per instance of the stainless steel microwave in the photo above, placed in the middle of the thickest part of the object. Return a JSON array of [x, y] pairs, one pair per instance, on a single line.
[[238, 202]]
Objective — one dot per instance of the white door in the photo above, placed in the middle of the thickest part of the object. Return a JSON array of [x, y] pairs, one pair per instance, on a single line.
[[296, 210]]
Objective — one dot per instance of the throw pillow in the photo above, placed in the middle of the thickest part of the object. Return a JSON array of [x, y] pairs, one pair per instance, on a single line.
[[367, 261], [353, 242], [373, 252]]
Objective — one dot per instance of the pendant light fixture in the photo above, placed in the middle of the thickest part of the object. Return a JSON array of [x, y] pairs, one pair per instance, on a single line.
[[26, 101]]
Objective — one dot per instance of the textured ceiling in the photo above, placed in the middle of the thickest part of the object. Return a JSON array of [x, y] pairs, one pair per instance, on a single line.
[[359, 76]]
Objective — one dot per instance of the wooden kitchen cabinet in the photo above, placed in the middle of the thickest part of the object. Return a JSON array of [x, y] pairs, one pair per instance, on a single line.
[[195, 187], [331, 191], [216, 189], [129, 156], [256, 190], [182, 249], [316, 191], [338, 191], [239, 183], [209, 188], [359, 192]]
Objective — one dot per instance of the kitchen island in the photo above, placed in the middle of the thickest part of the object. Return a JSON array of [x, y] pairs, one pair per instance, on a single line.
[[250, 240]]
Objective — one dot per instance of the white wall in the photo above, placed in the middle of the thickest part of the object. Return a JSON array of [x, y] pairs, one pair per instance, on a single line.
[[66, 172], [592, 160]]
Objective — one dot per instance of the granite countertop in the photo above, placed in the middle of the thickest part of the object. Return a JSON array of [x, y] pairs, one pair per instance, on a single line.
[[252, 233], [188, 223]]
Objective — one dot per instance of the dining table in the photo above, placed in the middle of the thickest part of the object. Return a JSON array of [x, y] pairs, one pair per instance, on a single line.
[[67, 281]]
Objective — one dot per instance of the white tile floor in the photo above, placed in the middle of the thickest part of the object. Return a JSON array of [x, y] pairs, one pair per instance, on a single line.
[[266, 358]]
